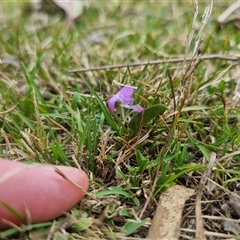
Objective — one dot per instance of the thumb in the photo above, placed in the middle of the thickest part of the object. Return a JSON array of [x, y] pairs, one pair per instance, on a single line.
[[39, 190]]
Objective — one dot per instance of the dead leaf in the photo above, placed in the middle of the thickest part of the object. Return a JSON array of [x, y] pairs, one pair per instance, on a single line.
[[10, 60], [73, 8], [231, 15], [167, 219]]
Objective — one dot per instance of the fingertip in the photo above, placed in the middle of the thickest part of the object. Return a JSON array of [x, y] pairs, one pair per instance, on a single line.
[[40, 189]]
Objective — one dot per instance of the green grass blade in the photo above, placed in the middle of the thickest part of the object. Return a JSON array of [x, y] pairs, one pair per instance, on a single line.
[[12, 210], [106, 112]]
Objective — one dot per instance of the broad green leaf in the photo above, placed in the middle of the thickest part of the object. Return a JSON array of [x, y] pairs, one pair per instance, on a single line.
[[131, 226], [144, 117], [136, 201], [125, 213]]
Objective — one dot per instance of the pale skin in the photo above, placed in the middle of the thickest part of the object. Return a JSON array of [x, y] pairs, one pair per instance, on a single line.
[[38, 190]]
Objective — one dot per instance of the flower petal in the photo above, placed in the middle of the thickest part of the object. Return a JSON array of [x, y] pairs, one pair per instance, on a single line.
[[124, 96], [111, 102], [126, 92], [136, 108], [126, 100]]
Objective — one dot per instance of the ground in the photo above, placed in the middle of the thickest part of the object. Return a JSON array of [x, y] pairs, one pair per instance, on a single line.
[[184, 66]]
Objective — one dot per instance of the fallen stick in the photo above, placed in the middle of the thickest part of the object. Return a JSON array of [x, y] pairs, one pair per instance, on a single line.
[[232, 58]]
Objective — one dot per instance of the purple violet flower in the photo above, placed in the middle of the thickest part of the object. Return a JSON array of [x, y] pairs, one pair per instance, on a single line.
[[124, 96]]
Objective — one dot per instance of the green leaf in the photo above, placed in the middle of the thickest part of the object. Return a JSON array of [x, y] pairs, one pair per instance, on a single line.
[[30, 78], [114, 190], [144, 117], [166, 181], [170, 157], [131, 226], [27, 121], [136, 201], [125, 213], [121, 175], [142, 161], [204, 151], [75, 101]]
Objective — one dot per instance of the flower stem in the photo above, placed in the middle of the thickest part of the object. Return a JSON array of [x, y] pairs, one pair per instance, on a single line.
[[120, 122]]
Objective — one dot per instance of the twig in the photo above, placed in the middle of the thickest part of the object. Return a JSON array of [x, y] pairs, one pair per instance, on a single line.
[[229, 155], [58, 171], [8, 110], [232, 58], [173, 93], [208, 233], [232, 194], [199, 222]]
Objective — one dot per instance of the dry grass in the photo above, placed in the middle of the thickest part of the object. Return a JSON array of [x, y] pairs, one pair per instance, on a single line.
[[50, 114]]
